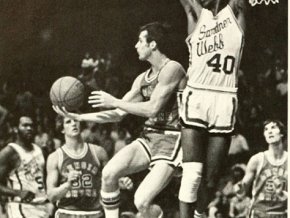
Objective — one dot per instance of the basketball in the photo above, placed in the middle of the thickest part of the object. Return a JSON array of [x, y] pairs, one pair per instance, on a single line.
[[67, 92]]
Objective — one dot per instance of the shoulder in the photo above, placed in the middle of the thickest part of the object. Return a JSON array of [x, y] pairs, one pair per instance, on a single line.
[[52, 159], [256, 160], [172, 70], [100, 152], [9, 152]]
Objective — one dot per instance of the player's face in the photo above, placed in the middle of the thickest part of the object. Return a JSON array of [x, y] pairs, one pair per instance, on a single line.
[[71, 127], [143, 47], [26, 129], [272, 133]]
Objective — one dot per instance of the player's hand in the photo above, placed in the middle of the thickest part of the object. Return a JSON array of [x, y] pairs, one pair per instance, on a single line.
[[126, 183], [73, 176], [63, 112], [101, 99], [26, 196]]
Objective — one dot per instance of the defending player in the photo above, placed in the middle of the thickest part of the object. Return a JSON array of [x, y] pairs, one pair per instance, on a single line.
[[153, 95], [209, 103], [267, 172], [74, 174], [22, 174]]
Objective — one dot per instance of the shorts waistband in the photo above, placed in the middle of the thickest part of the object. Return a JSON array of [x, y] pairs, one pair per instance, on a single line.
[[230, 90], [79, 212], [149, 129]]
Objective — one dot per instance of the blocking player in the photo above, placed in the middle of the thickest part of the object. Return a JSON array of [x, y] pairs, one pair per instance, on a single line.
[[152, 95], [22, 174], [267, 172], [209, 102]]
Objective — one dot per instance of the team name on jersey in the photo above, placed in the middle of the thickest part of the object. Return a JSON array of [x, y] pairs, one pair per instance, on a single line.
[[82, 192], [204, 46], [83, 165], [32, 169]]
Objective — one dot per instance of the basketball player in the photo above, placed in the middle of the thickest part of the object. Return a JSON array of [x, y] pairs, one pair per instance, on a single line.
[[22, 174], [267, 174], [152, 95], [209, 101]]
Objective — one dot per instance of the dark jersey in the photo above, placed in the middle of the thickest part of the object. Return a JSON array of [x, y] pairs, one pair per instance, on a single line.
[[84, 194], [167, 118], [270, 186]]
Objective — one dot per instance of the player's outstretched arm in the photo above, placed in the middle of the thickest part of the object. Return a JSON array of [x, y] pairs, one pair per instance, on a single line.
[[249, 177], [109, 116], [8, 161], [57, 191], [169, 79], [192, 10]]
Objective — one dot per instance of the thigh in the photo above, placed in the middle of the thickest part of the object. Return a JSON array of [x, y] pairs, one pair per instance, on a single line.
[[129, 160], [155, 181], [193, 143]]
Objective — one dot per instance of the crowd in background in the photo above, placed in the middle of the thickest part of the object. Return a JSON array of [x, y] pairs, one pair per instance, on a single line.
[[262, 95]]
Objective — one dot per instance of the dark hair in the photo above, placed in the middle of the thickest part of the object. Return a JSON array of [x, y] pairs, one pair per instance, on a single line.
[[15, 120], [158, 32], [280, 125]]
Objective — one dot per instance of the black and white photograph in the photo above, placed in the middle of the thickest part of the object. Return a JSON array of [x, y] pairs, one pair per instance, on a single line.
[[144, 109]]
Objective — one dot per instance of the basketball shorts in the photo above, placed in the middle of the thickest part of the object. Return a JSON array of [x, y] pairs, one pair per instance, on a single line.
[[210, 109], [22, 210], [161, 146], [63, 213]]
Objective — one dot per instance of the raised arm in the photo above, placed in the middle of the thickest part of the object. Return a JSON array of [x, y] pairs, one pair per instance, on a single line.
[[239, 8], [8, 161], [192, 10], [169, 79]]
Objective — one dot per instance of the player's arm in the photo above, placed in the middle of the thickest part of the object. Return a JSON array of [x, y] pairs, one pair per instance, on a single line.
[[9, 160], [169, 79], [192, 10], [108, 116], [54, 190], [239, 8], [250, 174]]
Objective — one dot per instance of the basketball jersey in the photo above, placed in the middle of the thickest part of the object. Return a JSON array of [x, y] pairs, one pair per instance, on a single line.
[[167, 117], [215, 50], [29, 176], [270, 186], [84, 194]]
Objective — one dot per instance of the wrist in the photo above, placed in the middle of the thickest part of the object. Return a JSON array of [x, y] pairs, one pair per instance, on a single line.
[[67, 185], [116, 103]]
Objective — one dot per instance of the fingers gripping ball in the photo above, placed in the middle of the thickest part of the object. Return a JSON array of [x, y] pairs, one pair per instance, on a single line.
[[67, 92]]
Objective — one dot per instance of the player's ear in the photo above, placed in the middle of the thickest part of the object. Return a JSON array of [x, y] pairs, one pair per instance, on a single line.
[[153, 45], [15, 130]]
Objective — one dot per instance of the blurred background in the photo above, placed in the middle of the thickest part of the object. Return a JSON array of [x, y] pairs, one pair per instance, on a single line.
[[94, 40]]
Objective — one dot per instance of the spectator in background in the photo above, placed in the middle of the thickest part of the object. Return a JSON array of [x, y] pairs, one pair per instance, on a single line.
[[239, 149], [240, 206], [121, 141], [25, 101]]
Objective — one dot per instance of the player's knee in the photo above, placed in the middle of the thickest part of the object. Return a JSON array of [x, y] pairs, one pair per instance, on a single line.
[[190, 181], [109, 175], [141, 202]]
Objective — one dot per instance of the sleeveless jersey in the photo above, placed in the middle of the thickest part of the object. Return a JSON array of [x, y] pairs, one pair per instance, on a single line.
[[215, 50], [29, 176], [84, 194], [167, 118], [270, 186]]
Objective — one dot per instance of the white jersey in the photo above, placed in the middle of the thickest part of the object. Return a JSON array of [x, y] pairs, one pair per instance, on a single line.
[[215, 48], [29, 175]]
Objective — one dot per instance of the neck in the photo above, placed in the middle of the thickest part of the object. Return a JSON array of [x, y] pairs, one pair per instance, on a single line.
[[74, 143], [26, 145], [216, 8], [157, 61], [276, 150]]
